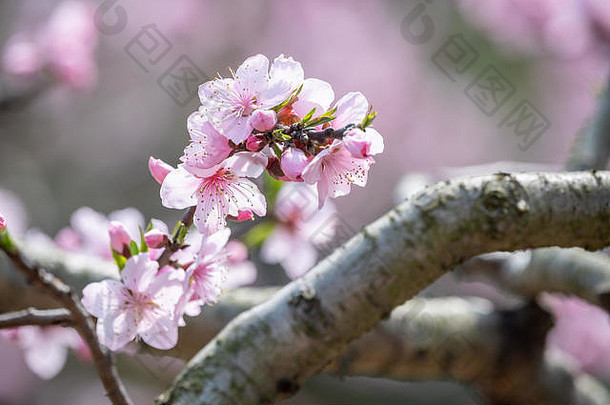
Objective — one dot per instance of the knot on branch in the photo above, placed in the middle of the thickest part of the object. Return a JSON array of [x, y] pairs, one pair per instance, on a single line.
[[309, 313]]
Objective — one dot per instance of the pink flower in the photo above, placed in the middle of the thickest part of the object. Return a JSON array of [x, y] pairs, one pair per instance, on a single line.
[[363, 144], [141, 304], [208, 274], [263, 120], [156, 238], [255, 143], [158, 169], [231, 102], [246, 215], [334, 170], [89, 229], [68, 239], [242, 272], [2, 222], [14, 213], [217, 192], [119, 237], [293, 163], [582, 331], [45, 350], [21, 57], [298, 223], [69, 43], [207, 147]]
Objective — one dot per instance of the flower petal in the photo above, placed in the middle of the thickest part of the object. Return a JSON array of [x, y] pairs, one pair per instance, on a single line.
[[158, 330], [178, 189], [247, 164], [116, 330], [286, 75], [104, 297], [139, 272], [351, 109], [316, 94]]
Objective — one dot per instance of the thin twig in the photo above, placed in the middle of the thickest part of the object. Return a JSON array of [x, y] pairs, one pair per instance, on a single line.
[[38, 317], [174, 245], [83, 323]]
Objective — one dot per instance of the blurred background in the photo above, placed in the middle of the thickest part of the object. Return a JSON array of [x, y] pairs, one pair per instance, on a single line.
[[77, 127]]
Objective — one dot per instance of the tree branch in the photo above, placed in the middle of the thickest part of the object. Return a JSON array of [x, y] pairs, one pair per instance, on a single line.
[[569, 271], [83, 323], [33, 316], [311, 319], [499, 352]]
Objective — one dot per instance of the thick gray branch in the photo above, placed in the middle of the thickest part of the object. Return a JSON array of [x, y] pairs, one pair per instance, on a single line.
[[313, 318], [501, 353], [569, 271]]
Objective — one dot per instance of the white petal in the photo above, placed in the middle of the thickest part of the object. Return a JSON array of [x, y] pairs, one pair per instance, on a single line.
[[116, 330], [160, 331], [240, 274], [247, 164], [351, 109], [237, 129], [245, 195], [139, 272], [315, 93], [286, 75], [46, 359], [103, 297], [252, 76], [178, 189], [376, 141], [214, 243]]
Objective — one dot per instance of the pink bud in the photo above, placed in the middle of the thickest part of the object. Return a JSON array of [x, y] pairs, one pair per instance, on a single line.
[[293, 163], [119, 237], [263, 120], [255, 143], [155, 239], [363, 144], [237, 252], [356, 142], [244, 215], [2, 222], [159, 169]]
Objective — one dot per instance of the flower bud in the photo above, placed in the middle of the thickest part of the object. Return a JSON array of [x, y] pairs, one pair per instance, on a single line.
[[159, 169], [119, 237], [293, 163], [244, 215], [356, 142], [363, 144], [255, 143], [155, 239], [287, 116], [263, 120], [2, 222], [274, 169]]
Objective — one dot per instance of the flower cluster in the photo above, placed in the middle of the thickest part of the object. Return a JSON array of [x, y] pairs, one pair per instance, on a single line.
[[267, 118], [261, 119], [153, 295]]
